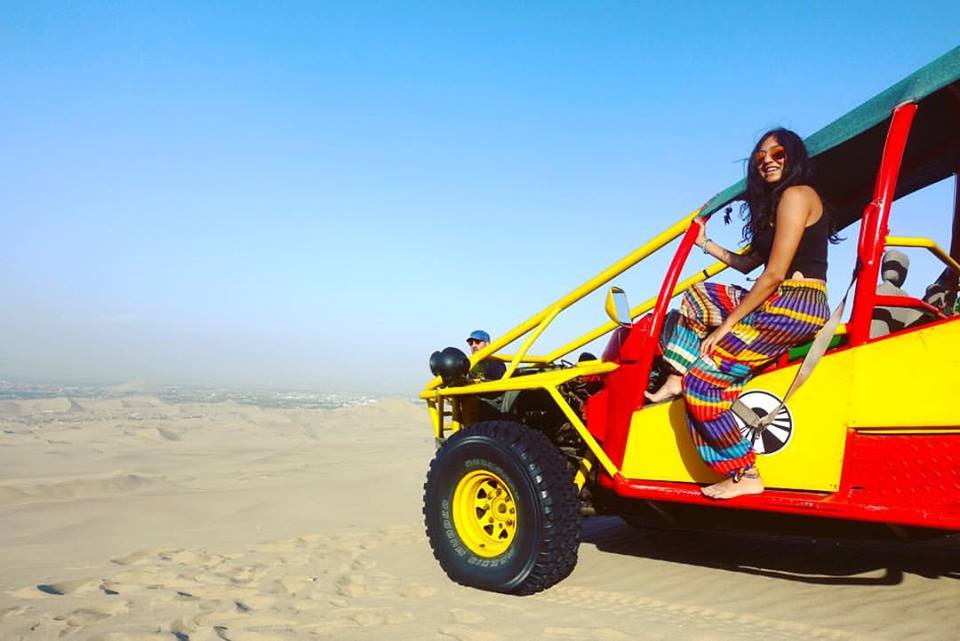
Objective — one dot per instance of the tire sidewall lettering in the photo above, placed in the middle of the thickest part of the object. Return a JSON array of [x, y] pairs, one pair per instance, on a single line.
[[510, 467]]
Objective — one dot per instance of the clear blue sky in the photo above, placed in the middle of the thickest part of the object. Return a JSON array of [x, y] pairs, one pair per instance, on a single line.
[[320, 194]]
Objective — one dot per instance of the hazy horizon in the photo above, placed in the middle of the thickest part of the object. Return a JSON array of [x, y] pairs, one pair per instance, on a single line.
[[152, 386], [319, 195]]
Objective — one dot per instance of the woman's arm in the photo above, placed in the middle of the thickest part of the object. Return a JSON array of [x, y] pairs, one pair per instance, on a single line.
[[792, 213], [743, 263]]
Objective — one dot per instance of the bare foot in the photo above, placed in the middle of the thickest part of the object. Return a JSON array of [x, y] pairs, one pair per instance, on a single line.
[[670, 388], [749, 483]]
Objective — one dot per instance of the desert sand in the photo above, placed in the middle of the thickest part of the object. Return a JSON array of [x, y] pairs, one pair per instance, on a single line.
[[134, 519]]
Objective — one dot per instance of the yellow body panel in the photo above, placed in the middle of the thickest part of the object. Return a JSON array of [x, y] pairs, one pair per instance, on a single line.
[[910, 380], [660, 447]]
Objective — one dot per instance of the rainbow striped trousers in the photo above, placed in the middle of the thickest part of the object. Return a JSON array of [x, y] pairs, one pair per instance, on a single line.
[[791, 316]]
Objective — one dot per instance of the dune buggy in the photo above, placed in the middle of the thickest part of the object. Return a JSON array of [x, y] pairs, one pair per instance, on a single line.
[[873, 436]]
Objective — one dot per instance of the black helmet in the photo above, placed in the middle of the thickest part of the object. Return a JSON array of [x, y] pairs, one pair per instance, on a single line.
[[450, 364]]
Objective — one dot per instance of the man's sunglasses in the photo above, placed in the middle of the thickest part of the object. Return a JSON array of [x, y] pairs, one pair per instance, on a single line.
[[777, 153], [473, 341]]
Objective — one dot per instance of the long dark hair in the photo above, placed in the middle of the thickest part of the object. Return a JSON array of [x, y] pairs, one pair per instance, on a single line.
[[759, 208]]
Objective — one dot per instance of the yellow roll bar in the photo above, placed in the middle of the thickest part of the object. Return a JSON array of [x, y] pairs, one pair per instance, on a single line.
[[925, 243], [537, 321], [506, 358], [640, 309], [525, 347], [540, 321]]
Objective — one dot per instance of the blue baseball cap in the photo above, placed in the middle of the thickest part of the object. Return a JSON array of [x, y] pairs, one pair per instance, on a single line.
[[479, 335]]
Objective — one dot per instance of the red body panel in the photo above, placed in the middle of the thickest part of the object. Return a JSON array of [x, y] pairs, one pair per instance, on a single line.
[[907, 479], [608, 412], [647, 334]]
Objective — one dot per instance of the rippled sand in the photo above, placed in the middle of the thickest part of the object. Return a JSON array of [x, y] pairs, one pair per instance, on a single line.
[[134, 519]]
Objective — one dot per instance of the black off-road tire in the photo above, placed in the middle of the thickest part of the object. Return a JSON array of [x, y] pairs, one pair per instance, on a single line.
[[547, 536]]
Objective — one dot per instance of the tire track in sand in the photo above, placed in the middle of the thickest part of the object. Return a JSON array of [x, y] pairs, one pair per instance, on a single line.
[[698, 621]]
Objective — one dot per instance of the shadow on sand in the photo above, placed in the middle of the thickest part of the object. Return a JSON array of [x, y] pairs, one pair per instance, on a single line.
[[829, 558]]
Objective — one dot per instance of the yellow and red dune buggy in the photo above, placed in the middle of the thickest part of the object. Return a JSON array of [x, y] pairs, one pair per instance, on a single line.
[[873, 436]]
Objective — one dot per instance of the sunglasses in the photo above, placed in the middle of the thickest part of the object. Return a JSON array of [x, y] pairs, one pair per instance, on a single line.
[[473, 341], [776, 153]]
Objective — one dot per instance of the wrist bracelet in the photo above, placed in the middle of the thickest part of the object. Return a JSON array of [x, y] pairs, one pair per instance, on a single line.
[[708, 240]]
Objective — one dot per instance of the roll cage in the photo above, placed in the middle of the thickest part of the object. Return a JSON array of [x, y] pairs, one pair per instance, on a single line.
[[914, 129]]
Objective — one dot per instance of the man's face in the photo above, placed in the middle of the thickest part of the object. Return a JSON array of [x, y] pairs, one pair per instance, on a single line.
[[476, 345]]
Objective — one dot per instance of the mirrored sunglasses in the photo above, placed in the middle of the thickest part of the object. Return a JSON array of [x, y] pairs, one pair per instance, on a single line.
[[777, 153]]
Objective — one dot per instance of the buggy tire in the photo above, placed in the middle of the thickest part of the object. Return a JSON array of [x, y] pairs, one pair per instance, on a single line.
[[501, 469]]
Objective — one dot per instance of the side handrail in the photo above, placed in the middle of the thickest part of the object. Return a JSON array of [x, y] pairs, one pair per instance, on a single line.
[[924, 243]]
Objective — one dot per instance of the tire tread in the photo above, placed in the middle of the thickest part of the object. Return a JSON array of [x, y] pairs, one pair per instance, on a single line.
[[559, 501]]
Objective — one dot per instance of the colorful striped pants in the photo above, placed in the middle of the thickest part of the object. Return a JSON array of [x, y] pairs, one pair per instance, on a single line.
[[791, 316]]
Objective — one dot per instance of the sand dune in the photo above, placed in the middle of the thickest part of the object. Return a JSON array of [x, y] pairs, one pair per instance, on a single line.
[[20, 491], [235, 523], [34, 406]]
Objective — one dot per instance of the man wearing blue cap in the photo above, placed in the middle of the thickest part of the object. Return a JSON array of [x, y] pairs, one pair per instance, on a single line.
[[489, 369]]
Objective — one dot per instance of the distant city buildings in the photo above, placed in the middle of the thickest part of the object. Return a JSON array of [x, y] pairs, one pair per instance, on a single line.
[[182, 394]]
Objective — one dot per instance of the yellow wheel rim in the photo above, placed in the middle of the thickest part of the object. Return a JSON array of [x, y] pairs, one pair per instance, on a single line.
[[484, 513]]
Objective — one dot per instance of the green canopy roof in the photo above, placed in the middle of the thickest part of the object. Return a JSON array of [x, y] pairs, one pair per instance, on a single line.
[[840, 151]]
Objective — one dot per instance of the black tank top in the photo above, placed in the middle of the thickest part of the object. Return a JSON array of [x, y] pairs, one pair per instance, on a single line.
[[811, 256]]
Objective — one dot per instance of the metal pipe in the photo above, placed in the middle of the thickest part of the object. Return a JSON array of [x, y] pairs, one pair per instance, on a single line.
[[640, 309], [873, 231], [600, 279], [529, 341], [585, 434]]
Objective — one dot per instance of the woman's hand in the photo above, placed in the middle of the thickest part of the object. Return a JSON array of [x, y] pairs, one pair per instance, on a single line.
[[712, 339], [702, 236]]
